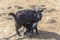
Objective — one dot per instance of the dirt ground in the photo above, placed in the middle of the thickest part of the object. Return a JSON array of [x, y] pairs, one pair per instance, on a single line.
[[48, 27]]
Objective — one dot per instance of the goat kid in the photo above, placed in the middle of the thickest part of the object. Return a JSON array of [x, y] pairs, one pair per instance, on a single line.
[[26, 16]]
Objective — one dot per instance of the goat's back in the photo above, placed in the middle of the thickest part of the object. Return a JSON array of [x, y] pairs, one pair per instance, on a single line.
[[26, 16]]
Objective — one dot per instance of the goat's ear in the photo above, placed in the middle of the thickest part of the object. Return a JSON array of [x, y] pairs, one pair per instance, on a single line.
[[41, 10]]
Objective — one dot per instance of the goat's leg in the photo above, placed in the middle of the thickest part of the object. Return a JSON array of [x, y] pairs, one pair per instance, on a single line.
[[26, 28], [36, 30], [18, 31], [26, 31], [35, 27], [31, 33]]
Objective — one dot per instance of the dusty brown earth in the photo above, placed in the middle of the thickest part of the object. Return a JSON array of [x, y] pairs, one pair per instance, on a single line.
[[49, 26]]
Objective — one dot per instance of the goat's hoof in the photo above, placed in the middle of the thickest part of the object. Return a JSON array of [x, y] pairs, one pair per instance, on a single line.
[[25, 32], [19, 35], [30, 36], [36, 33]]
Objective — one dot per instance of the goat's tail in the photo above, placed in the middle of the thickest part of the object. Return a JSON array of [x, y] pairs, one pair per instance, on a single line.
[[12, 14]]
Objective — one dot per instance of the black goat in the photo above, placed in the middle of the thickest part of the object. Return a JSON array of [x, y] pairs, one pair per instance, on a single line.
[[26, 16]]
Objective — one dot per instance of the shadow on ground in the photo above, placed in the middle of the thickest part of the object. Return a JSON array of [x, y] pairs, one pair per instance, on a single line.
[[41, 35], [47, 35]]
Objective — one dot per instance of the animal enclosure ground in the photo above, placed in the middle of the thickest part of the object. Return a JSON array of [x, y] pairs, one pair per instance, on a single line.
[[49, 26]]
